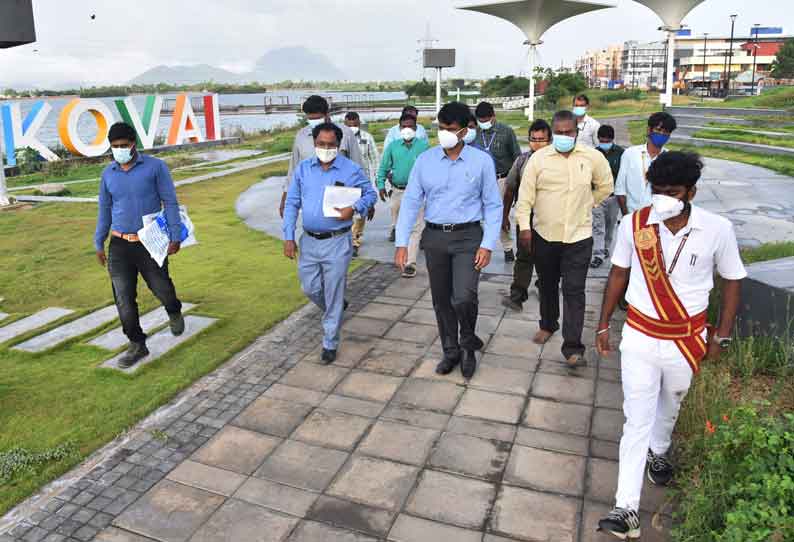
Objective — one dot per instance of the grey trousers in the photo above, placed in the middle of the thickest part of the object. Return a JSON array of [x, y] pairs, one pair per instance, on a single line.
[[453, 285], [605, 217]]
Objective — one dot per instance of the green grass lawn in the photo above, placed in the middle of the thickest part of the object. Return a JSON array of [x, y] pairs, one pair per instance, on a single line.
[[780, 164], [775, 98], [757, 125], [745, 137], [235, 274], [768, 251]]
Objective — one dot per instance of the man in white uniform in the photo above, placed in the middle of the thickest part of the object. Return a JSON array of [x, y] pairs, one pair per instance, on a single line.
[[666, 254]]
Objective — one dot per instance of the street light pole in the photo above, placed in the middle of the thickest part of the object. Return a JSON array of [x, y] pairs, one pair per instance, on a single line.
[[705, 44], [755, 55], [730, 52], [4, 199]]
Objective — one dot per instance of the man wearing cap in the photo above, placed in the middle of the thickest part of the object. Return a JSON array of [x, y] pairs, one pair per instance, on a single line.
[[134, 185]]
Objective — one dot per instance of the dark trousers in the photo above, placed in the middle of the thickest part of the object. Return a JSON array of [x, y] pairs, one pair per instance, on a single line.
[[569, 261], [125, 261], [522, 272], [453, 285]]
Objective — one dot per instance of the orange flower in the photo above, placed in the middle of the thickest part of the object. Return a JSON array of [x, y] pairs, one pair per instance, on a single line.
[[725, 418], [710, 427]]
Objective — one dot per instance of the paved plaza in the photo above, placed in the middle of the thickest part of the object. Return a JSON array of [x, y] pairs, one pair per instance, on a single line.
[[274, 446]]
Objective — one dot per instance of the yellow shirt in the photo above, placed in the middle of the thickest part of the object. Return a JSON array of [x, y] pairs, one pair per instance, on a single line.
[[562, 192]]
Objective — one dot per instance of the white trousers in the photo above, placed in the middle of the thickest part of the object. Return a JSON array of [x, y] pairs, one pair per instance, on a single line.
[[416, 232], [504, 236], [656, 378]]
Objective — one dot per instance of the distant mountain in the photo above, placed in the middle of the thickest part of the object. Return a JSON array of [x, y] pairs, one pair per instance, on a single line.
[[289, 63], [295, 64], [186, 75]]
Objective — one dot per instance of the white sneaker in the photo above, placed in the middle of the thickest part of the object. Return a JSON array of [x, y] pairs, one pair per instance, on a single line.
[[622, 523]]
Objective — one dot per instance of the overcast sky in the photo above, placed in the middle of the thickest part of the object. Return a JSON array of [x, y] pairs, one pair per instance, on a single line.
[[366, 39]]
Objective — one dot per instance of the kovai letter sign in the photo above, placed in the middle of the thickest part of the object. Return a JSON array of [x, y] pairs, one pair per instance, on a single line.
[[19, 133]]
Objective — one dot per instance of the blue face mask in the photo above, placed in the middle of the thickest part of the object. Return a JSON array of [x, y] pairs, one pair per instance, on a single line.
[[470, 136], [659, 140], [580, 111], [606, 147], [564, 143]]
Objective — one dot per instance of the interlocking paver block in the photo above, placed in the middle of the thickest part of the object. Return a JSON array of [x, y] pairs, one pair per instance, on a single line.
[[399, 442], [375, 482], [244, 522], [298, 395], [236, 449], [546, 471], [427, 370], [413, 416], [349, 353], [562, 417], [563, 388], [311, 531], [412, 529], [421, 316], [555, 442], [332, 429], [367, 326], [511, 346], [114, 534], [313, 377], [609, 395], [521, 513], [370, 386], [382, 311], [471, 456], [350, 515], [501, 380], [275, 496], [608, 424], [416, 333], [452, 499], [349, 405], [301, 465], [207, 478], [490, 406], [602, 484], [170, 512], [481, 428], [272, 416], [507, 362], [391, 363], [427, 394]]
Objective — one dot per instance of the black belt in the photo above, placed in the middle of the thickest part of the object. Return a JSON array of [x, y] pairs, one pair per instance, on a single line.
[[327, 235], [452, 227], [399, 187]]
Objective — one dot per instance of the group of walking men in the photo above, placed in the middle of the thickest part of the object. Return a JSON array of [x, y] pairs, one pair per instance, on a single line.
[[454, 199]]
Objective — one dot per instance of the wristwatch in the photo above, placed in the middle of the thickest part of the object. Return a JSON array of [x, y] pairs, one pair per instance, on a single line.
[[723, 342]]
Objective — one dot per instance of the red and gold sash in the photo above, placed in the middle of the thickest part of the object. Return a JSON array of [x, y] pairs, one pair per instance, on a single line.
[[674, 322]]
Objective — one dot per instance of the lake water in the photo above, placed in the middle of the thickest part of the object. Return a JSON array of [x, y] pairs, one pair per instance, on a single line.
[[230, 124]]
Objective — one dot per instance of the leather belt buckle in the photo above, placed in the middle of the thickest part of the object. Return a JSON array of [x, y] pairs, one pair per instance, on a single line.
[[448, 228]]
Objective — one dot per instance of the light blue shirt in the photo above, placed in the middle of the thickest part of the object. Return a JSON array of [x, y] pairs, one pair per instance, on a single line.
[[631, 181], [308, 188], [394, 134], [452, 192]]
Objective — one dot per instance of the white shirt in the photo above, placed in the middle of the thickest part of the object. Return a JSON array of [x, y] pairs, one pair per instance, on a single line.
[[588, 131], [712, 244], [631, 181], [369, 154]]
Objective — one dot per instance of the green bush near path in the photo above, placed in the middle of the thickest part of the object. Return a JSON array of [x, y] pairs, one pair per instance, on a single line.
[[235, 274], [746, 137]]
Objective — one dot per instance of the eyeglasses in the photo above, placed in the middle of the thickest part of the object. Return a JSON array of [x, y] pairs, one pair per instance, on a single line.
[[533, 140]]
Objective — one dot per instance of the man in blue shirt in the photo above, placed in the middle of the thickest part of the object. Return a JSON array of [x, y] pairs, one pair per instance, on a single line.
[[132, 186], [327, 246], [456, 184]]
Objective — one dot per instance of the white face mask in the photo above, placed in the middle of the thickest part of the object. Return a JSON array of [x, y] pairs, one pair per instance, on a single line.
[[408, 134], [122, 155], [314, 123], [326, 155], [485, 125], [355, 129], [666, 207], [448, 139]]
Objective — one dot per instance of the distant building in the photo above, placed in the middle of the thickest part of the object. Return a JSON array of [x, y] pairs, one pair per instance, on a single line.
[[644, 64], [602, 67]]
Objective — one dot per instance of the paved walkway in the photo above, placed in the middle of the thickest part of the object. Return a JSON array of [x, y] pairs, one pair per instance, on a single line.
[[274, 446]]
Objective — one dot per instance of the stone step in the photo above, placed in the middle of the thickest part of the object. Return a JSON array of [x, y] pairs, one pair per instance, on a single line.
[[162, 341], [3, 316], [115, 339], [81, 326], [34, 321]]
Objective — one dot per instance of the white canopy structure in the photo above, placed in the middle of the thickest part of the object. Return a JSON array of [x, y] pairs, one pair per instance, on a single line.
[[672, 13], [534, 18]]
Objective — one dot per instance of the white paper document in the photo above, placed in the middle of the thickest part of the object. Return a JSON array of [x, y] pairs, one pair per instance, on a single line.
[[155, 235], [339, 197]]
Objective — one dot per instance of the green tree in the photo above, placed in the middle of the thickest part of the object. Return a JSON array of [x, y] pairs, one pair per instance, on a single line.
[[423, 88], [783, 65]]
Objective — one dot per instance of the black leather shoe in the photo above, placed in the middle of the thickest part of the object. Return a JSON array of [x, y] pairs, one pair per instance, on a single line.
[[469, 365], [328, 357], [447, 365], [135, 353], [478, 344], [177, 324]]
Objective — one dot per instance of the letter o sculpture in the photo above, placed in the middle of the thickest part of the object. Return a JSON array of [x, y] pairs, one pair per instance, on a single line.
[[67, 127]]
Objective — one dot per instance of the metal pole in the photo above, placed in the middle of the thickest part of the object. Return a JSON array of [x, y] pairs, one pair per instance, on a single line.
[[730, 52], [650, 76], [755, 55], [705, 44], [438, 91], [3, 190], [668, 98], [531, 108]]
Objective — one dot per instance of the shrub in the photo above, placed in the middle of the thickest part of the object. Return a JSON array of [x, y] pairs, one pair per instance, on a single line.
[[28, 160], [616, 96], [58, 168], [743, 488]]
